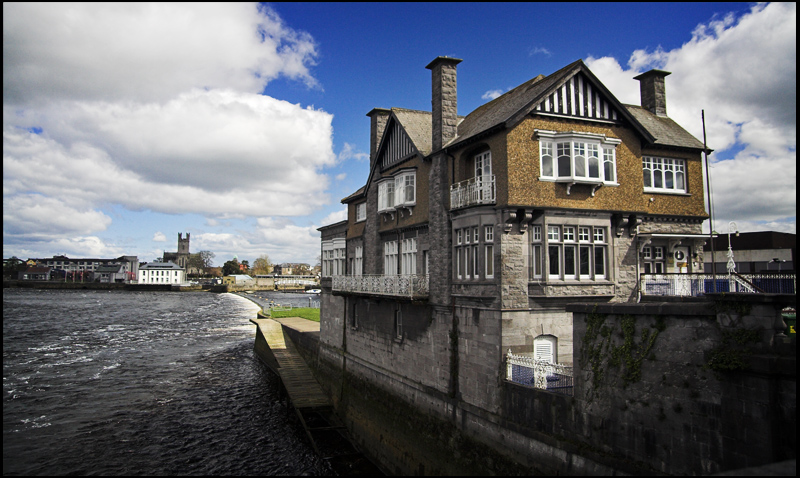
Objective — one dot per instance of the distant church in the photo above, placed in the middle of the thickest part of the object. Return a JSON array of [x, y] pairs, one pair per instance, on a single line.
[[181, 258]]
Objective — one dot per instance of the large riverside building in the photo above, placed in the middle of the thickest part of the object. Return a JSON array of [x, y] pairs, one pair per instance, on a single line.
[[485, 227]]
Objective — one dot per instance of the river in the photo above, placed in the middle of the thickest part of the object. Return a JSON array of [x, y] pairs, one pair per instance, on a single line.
[[142, 383]]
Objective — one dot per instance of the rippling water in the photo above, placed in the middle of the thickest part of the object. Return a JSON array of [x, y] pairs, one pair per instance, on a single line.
[[142, 383]]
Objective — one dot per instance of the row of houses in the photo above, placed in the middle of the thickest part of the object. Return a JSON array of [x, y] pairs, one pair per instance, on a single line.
[[123, 269]]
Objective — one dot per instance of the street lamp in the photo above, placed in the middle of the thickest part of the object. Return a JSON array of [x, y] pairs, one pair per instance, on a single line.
[[731, 264]]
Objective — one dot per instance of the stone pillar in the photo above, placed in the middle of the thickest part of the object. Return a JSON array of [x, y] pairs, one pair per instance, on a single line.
[[444, 100]]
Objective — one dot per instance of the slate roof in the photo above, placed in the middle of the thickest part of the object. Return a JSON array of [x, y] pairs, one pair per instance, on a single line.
[[160, 266], [665, 131], [112, 268]]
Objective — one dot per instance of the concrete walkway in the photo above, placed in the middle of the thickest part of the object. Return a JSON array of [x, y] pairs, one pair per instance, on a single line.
[[303, 389]]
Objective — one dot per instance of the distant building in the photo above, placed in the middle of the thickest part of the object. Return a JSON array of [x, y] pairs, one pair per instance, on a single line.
[[110, 273], [35, 273], [161, 273], [63, 266], [754, 252], [238, 279], [180, 258]]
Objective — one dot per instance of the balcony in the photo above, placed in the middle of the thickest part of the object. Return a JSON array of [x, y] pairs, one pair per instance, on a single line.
[[408, 286], [534, 373], [472, 192], [696, 285]]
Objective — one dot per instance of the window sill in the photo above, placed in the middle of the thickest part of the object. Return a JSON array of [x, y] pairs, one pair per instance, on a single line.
[[666, 191]]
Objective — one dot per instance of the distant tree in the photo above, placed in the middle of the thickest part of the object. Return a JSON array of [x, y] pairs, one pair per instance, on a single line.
[[231, 267], [262, 265], [214, 271], [12, 266], [301, 269], [201, 261]]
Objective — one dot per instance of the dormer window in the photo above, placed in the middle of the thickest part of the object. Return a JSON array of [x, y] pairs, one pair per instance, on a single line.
[[386, 196], [577, 158]]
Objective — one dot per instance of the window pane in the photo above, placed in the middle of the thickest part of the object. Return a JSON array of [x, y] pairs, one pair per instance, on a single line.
[[599, 262], [569, 260], [584, 260], [555, 260], [536, 261], [594, 168], [489, 261]]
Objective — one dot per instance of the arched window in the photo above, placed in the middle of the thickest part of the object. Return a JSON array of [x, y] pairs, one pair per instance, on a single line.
[[544, 348]]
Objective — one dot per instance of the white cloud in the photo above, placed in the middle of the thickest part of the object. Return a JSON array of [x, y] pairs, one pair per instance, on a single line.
[[159, 237], [742, 72], [143, 106], [492, 94], [334, 217], [542, 50], [145, 52], [349, 152]]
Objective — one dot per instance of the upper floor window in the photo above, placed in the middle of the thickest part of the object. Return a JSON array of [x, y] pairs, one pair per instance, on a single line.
[[397, 191], [386, 195], [577, 157], [664, 174], [361, 212], [572, 252], [483, 164]]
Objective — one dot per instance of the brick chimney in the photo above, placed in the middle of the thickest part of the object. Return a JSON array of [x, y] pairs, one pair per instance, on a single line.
[[444, 100], [378, 119], [653, 93]]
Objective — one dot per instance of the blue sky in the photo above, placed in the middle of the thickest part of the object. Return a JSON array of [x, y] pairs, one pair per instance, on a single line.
[[245, 125]]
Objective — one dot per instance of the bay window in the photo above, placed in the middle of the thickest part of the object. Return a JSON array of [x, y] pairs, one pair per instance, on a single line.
[[397, 191], [579, 157]]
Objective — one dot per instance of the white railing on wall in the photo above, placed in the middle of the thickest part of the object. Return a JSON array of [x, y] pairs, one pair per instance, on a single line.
[[548, 376], [694, 285], [401, 285], [473, 191]]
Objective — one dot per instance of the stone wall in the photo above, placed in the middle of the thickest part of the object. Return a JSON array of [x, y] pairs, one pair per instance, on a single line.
[[686, 388]]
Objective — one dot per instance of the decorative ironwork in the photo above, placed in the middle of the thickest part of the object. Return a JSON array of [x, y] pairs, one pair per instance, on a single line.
[[695, 285], [473, 191], [540, 374], [413, 286]]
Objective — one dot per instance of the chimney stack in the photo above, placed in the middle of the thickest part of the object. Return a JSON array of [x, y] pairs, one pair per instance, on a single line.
[[378, 119], [653, 92], [444, 100]]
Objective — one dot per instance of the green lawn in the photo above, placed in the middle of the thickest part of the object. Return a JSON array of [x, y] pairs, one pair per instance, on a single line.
[[304, 312]]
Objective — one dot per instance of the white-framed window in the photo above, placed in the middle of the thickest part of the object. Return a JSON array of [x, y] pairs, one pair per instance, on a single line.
[[572, 251], [386, 195], [409, 258], [579, 157], [653, 260], [333, 257], [664, 174], [536, 251], [358, 266], [390, 257], [398, 323], [405, 190], [473, 252], [361, 212]]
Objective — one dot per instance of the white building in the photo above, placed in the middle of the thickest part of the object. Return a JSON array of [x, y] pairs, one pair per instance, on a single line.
[[161, 273]]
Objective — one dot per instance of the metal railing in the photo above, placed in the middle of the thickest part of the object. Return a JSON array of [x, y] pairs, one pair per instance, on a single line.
[[401, 285], [477, 190], [540, 374], [695, 285]]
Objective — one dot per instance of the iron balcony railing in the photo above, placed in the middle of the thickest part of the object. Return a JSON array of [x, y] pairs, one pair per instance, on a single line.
[[530, 372], [695, 285], [413, 286], [474, 191]]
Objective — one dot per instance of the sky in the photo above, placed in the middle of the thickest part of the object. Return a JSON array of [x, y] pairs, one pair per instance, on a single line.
[[245, 124]]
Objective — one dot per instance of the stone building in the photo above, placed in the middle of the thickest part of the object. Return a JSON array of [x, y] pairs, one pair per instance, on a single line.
[[473, 233], [181, 257]]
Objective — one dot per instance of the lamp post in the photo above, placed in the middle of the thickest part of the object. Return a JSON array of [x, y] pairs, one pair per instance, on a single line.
[[731, 264]]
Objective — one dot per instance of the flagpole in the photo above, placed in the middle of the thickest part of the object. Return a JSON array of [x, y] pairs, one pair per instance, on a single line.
[[710, 209]]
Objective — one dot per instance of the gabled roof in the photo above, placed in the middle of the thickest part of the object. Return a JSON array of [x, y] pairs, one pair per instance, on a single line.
[[417, 125], [513, 106]]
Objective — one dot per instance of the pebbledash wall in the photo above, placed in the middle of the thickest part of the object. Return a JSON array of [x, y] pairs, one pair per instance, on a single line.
[[678, 388]]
